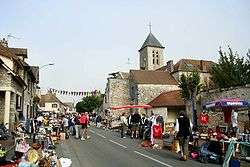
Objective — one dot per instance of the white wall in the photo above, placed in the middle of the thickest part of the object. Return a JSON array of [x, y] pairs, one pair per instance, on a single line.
[[48, 107], [169, 115], [7, 61]]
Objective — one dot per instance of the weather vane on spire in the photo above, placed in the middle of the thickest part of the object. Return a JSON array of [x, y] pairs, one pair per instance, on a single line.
[[150, 26]]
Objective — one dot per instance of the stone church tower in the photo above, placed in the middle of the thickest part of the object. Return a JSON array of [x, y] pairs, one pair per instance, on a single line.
[[151, 54]]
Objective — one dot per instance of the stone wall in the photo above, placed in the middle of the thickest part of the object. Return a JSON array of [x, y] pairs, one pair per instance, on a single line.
[[2, 102], [238, 92], [117, 94], [147, 92], [13, 112], [16, 86], [28, 98], [5, 78], [217, 118]]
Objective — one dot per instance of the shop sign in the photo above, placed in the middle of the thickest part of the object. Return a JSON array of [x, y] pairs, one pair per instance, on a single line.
[[236, 103]]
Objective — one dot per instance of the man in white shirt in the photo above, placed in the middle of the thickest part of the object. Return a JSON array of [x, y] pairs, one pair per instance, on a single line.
[[124, 124]]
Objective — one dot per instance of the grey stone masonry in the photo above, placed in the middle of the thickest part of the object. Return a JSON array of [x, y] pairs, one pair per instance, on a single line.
[[147, 92], [5, 78], [117, 94], [237, 92], [13, 112], [217, 118], [17, 87], [2, 99]]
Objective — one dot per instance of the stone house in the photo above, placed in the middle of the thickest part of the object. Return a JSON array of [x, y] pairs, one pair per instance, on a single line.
[[17, 81], [185, 66], [11, 86], [50, 103], [31, 78]]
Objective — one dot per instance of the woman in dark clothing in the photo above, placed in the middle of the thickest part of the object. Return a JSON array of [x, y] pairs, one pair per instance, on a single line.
[[183, 129], [135, 120]]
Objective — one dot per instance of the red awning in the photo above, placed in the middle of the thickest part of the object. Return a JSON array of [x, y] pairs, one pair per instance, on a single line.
[[130, 106]]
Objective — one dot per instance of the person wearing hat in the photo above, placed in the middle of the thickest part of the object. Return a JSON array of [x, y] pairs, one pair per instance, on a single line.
[[183, 130]]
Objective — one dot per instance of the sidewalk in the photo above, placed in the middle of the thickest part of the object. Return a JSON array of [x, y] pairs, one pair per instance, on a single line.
[[9, 145]]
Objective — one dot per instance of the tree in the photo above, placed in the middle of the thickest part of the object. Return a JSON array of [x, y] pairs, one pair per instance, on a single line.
[[88, 104], [190, 88], [232, 70]]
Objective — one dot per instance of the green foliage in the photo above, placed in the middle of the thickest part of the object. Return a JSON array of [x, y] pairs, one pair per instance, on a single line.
[[88, 104], [190, 84], [232, 70]]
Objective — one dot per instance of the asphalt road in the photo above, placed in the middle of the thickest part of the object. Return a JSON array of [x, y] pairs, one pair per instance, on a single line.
[[107, 149]]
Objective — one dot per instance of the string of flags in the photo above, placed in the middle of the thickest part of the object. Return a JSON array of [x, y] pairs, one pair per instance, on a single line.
[[75, 93]]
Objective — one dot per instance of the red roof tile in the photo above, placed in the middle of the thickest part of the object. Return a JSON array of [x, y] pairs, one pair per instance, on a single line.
[[168, 99], [152, 77], [190, 65]]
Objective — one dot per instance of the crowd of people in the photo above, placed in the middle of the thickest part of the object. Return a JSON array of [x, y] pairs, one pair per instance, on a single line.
[[133, 125], [71, 124], [151, 128]]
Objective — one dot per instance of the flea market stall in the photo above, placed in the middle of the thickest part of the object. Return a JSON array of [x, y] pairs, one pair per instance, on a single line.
[[227, 121]]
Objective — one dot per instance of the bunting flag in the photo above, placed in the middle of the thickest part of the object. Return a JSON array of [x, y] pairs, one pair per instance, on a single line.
[[75, 93]]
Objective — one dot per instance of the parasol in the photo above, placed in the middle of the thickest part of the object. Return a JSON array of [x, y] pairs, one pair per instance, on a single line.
[[234, 103]]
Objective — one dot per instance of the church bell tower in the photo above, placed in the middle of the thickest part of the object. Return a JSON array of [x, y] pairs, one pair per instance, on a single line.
[[151, 53]]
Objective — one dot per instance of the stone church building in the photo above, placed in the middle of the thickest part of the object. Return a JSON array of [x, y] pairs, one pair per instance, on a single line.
[[141, 86], [155, 83]]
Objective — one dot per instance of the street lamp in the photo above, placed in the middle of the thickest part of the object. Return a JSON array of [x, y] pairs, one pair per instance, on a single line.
[[33, 115], [50, 64]]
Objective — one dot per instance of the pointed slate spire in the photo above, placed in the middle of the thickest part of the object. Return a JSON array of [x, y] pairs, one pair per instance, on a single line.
[[151, 41]]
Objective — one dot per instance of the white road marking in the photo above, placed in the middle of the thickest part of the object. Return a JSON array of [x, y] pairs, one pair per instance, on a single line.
[[118, 144], [100, 135], [92, 131], [153, 159], [97, 134]]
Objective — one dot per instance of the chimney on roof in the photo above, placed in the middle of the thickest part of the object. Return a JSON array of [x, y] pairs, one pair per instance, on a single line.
[[170, 66], [4, 42]]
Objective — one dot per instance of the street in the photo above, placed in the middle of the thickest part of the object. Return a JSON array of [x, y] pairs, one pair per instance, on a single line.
[[107, 149]]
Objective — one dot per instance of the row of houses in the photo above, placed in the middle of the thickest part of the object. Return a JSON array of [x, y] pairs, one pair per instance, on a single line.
[[18, 85], [49, 102], [155, 83], [20, 96]]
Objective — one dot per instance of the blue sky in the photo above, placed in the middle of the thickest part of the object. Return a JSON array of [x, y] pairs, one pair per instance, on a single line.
[[89, 39]]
